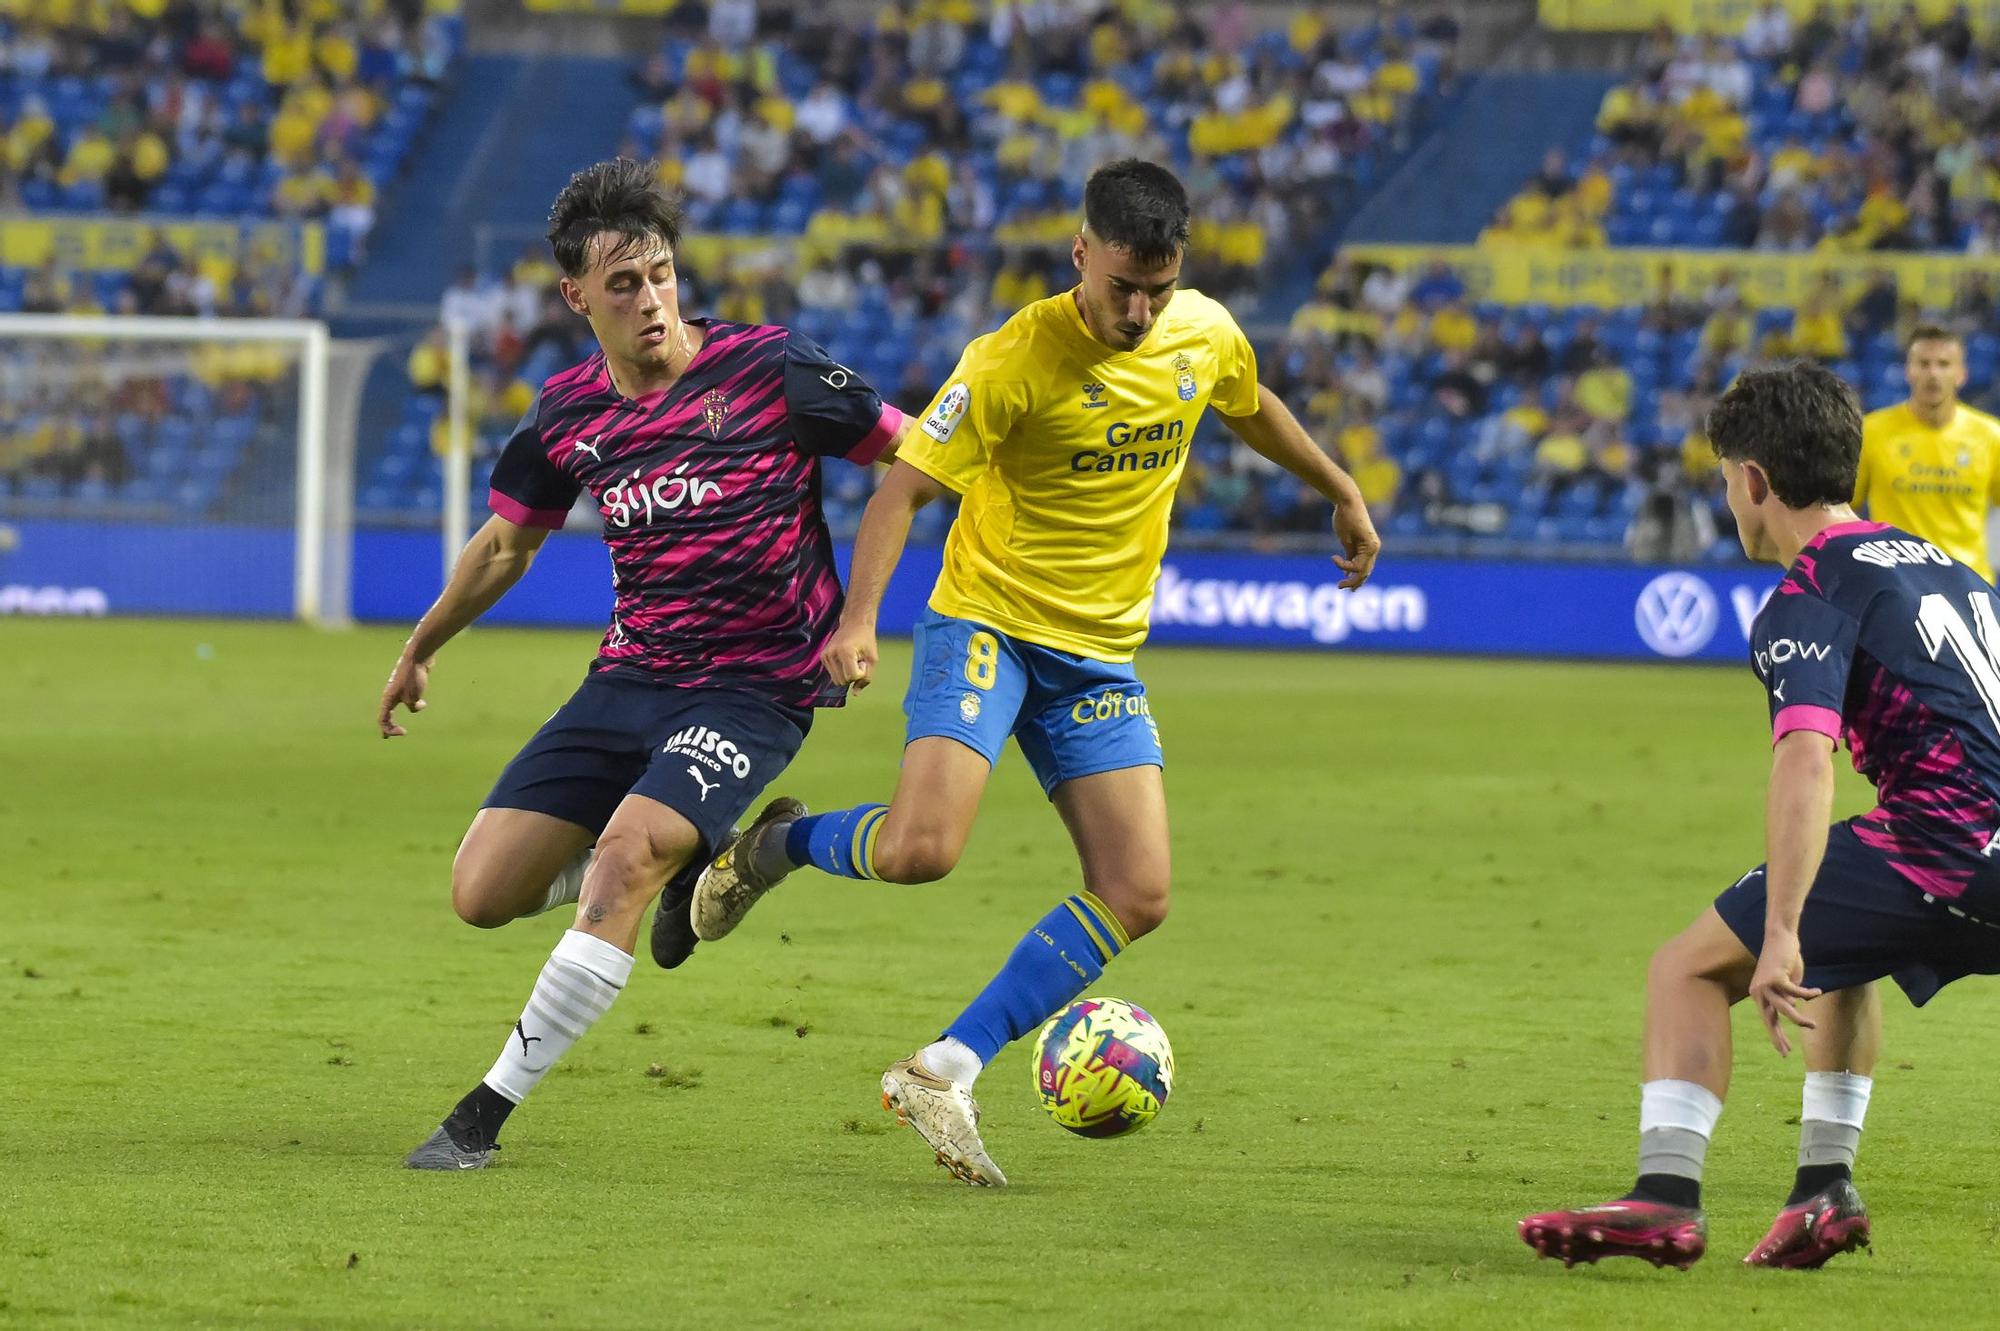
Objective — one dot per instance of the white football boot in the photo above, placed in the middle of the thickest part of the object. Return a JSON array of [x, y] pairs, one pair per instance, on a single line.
[[945, 1116]]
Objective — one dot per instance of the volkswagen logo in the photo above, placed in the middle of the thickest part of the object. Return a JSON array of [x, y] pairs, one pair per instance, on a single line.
[[1676, 614]]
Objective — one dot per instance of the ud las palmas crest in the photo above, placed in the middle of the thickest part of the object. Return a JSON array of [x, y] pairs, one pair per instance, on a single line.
[[1184, 377]]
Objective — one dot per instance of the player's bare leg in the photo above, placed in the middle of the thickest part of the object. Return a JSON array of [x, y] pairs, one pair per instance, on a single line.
[[1825, 1216], [517, 862], [931, 814], [1693, 980], [1118, 821], [916, 838], [644, 844]]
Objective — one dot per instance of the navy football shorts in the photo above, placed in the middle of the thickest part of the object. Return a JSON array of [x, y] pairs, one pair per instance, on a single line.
[[704, 753], [1863, 920]]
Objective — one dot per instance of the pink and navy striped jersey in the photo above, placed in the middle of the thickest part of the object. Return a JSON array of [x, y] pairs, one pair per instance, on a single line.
[[709, 490], [1881, 639]]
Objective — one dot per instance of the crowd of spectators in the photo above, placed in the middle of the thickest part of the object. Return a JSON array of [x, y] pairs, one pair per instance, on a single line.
[[1565, 425], [302, 109], [928, 182], [166, 281], [936, 124], [1847, 131], [925, 169]]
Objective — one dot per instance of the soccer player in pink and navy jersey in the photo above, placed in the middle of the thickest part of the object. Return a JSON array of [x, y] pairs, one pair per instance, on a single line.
[[701, 442], [1880, 640]]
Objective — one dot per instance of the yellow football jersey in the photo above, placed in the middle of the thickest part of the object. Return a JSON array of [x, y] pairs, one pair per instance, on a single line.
[[1937, 484], [1067, 454]]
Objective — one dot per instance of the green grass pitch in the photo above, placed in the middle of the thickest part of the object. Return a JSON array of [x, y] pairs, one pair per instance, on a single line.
[[1413, 905]]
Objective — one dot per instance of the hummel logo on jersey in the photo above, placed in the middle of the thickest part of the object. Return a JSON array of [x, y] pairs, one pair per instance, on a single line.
[[705, 785], [589, 447], [1093, 395], [1782, 650]]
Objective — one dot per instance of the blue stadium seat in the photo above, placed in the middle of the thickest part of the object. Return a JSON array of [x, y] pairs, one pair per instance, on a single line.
[[1604, 530]]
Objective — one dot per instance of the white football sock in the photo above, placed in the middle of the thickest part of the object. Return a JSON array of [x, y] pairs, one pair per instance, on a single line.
[[1836, 1103], [568, 884], [1676, 1119], [951, 1059], [576, 987]]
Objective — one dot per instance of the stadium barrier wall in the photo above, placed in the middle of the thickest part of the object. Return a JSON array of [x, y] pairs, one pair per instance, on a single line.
[[1474, 607], [1730, 16], [1624, 277], [117, 244]]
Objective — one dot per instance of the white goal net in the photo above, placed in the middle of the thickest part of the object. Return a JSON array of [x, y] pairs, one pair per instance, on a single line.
[[173, 467]]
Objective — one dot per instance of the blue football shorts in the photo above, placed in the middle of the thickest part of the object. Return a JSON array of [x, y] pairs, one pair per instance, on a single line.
[[1072, 716]]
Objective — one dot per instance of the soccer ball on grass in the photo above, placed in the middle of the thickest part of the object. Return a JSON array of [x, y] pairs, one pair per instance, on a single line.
[[1103, 1067]]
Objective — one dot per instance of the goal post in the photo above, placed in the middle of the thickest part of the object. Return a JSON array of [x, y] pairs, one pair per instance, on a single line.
[[177, 465]]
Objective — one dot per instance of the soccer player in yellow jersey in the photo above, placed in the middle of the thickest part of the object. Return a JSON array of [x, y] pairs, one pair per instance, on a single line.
[[1065, 432], [1931, 465]]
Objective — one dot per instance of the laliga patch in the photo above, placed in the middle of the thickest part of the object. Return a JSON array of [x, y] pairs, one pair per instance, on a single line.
[[943, 421]]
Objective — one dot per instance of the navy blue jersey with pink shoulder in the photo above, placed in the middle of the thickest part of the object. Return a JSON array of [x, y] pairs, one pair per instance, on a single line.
[[709, 491], [1881, 640]]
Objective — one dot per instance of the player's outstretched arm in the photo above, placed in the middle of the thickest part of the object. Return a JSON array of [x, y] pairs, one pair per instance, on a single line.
[[1797, 811], [1273, 431], [851, 652], [493, 561]]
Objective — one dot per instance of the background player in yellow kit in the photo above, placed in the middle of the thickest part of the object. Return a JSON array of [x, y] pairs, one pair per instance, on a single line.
[[1066, 432], [1931, 465]]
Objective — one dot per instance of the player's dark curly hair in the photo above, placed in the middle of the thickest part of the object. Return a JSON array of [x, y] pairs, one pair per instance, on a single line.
[[1138, 206], [1801, 423], [622, 196]]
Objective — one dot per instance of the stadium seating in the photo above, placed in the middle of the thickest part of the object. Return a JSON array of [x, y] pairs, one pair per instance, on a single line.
[[1871, 134], [902, 256], [242, 112], [1570, 418]]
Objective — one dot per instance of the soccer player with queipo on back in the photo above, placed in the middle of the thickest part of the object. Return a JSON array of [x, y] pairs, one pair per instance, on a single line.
[[1065, 432], [1880, 639]]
